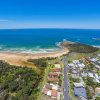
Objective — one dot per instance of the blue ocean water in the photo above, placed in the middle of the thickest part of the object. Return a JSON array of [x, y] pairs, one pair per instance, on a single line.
[[44, 40]]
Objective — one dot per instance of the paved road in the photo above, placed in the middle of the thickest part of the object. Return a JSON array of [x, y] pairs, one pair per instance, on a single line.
[[65, 81]]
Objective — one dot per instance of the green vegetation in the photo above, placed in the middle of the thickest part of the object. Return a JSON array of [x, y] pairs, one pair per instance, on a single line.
[[60, 80], [97, 98], [82, 48], [89, 82], [88, 93], [21, 83], [76, 80], [41, 63], [74, 56], [79, 47], [44, 81]]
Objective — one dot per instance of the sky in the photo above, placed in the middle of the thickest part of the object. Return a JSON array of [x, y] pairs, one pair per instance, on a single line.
[[50, 14]]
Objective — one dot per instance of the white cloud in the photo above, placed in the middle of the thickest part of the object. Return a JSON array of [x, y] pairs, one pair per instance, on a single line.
[[3, 20]]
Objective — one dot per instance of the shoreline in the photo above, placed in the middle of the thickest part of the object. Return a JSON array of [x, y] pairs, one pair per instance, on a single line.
[[20, 59]]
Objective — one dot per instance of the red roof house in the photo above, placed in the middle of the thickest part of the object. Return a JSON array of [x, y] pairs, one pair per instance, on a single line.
[[56, 69], [54, 94]]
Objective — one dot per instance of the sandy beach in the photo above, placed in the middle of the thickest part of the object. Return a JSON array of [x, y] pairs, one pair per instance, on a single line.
[[20, 59]]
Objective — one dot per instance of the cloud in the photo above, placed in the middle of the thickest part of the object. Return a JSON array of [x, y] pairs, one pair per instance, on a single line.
[[3, 20]]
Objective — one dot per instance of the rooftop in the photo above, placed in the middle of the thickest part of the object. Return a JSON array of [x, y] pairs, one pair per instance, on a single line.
[[54, 93], [53, 74], [80, 91], [78, 85], [53, 79], [97, 91], [56, 69], [57, 65]]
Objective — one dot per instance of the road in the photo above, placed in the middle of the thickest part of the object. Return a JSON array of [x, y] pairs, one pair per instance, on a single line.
[[65, 81]]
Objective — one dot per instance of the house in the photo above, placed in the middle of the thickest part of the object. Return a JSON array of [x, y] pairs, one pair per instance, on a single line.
[[49, 93], [91, 75], [87, 60], [96, 76], [53, 94], [81, 65], [54, 86], [84, 74], [80, 92], [98, 55], [76, 61], [82, 98], [53, 79], [96, 80], [75, 74], [97, 66], [97, 92], [57, 66], [56, 69], [94, 59], [71, 65], [48, 86], [78, 85], [53, 74], [45, 90]]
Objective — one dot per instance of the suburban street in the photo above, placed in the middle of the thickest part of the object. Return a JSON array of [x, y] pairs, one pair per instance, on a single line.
[[65, 81]]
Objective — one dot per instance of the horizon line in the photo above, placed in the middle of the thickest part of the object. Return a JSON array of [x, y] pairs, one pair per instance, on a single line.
[[48, 28]]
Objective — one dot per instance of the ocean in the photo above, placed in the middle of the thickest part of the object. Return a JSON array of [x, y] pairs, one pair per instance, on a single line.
[[44, 40]]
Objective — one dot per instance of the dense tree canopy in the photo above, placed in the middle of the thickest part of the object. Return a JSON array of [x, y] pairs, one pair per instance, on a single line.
[[19, 83]]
